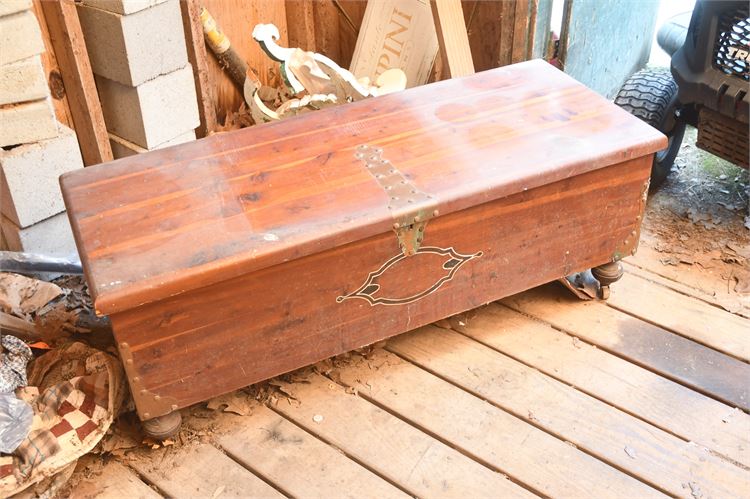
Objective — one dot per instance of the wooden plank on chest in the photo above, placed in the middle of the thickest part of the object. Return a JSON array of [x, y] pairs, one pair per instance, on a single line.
[[297, 462], [202, 471], [491, 435], [694, 319], [415, 461], [613, 380], [654, 456], [668, 354]]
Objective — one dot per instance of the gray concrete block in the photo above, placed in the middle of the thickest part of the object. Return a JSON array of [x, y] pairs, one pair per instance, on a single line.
[[132, 49], [27, 122], [8, 7], [151, 113], [122, 148], [123, 7], [20, 37], [51, 237], [29, 177], [23, 81]]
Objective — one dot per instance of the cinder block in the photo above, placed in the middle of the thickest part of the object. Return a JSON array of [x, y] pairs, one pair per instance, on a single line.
[[51, 237], [151, 113], [23, 81], [29, 177], [122, 148], [20, 37], [8, 7], [27, 122], [123, 7], [135, 48]]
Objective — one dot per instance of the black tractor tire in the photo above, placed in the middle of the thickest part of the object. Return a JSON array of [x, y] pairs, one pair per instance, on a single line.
[[651, 95]]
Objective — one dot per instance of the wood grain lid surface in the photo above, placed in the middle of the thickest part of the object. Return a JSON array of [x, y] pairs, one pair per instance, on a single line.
[[160, 223]]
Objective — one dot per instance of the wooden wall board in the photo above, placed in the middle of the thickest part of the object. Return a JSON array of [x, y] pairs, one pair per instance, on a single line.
[[237, 18], [652, 455], [453, 41], [618, 382], [52, 71], [66, 38], [198, 58]]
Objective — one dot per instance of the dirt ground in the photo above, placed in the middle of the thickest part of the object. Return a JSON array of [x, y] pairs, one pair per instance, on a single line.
[[699, 219]]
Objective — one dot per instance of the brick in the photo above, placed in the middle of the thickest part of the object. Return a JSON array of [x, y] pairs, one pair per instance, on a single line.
[[29, 177], [20, 37], [135, 48], [151, 113], [51, 237], [122, 148], [8, 7], [27, 122], [123, 7], [23, 81]]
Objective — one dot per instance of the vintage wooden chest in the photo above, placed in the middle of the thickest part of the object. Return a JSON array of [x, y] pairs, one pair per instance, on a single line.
[[248, 254]]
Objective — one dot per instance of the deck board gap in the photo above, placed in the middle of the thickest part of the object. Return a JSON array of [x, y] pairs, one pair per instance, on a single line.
[[587, 392], [677, 286], [639, 363], [437, 437], [675, 331], [144, 479], [531, 422], [255, 472], [342, 451]]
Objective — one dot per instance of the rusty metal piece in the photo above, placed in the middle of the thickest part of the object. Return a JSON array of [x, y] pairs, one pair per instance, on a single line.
[[149, 405]]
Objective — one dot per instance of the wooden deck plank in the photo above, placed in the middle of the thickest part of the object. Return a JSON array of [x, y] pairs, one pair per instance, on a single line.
[[612, 379], [709, 281], [542, 462], [656, 457], [699, 321], [668, 354], [115, 482], [298, 463], [415, 461], [202, 471], [730, 304]]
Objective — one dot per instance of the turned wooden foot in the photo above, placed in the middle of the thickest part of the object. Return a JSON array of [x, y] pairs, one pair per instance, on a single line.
[[162, 427], [606, 275]]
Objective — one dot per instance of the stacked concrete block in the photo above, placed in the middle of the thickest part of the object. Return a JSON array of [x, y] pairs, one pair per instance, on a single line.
[[36, 149], [26, 112], [145, 84]]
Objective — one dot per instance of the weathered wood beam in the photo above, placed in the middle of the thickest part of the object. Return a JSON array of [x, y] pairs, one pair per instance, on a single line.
[[75, 68], [452, 37]]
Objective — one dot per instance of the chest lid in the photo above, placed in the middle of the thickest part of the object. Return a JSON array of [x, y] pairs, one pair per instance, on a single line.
[[161, 223]]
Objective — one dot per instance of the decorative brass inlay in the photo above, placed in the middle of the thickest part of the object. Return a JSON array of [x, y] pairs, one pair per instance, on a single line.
[[445, 272], [150, 405], [411, 207]]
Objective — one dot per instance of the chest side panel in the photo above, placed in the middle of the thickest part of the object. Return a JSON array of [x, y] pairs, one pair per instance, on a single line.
[[219, 338]]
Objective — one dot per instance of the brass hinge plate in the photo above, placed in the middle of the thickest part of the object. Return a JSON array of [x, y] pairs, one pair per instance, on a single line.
[[409, 224], [149, 404]]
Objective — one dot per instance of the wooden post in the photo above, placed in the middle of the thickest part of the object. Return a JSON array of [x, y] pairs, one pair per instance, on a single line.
[[86, 110], [452, 37], [196, 49], [300, 24]]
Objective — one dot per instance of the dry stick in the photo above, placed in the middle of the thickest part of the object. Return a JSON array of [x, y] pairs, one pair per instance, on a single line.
[[222, 48]]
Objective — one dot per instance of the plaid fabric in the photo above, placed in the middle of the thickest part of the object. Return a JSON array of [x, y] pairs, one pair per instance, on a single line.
[[70, 416]]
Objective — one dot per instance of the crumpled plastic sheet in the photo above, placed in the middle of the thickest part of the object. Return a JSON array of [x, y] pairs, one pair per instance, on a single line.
[[14, 357], [15, 422]]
